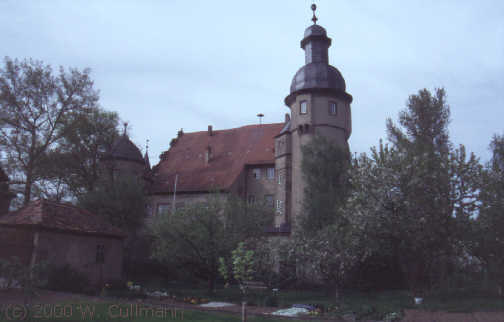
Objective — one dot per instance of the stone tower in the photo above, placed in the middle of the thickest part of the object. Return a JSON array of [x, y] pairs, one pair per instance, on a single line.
[[319, 105], [125, 158]]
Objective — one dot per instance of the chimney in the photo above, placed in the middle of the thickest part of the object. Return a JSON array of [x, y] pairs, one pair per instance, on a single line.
[[208, 155], [210, 130], [180, 133]]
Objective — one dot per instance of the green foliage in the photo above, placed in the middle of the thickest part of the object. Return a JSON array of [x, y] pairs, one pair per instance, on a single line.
[[489, 225], [193, 238], [121, 202], [17, 274], [416, 198], [325, 169], [242, 266], [75, 163], [328, 244], [67, 279]]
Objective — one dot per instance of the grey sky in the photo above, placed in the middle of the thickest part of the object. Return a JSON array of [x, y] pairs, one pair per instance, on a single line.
[[166, 65]]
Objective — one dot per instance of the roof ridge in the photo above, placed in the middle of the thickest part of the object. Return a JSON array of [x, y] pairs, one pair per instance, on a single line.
[[236, 128]]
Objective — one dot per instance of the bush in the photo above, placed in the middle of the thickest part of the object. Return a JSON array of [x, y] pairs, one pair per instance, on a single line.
[[17, 274], [66, 279], [271, 300]]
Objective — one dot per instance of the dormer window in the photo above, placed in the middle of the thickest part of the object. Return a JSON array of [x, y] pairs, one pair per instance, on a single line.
[[303, 107], [333, 108]]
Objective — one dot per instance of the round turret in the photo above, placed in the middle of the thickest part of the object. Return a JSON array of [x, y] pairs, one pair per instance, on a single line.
[[124, 149]]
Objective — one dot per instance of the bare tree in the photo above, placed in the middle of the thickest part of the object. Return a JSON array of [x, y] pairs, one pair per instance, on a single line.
[[34, 107]]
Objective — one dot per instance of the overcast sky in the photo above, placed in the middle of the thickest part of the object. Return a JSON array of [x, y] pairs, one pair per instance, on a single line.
[[171, 64]]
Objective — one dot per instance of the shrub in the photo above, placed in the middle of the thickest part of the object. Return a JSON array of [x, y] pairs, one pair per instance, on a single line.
[[17, 274], [66, 279]]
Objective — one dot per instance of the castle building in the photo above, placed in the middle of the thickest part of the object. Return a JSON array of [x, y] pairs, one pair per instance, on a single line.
[[261, 163]]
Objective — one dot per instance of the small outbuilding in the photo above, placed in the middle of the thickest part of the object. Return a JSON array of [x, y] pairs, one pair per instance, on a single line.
[[63, 234]]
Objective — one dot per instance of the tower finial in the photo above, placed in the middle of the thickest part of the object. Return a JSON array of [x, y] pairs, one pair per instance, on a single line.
[[260, 116], [147, 146], [125, 127], [314, 19]]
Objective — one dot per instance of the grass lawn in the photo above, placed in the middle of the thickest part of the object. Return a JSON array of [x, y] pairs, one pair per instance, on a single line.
[[365, 305], [97, 312]]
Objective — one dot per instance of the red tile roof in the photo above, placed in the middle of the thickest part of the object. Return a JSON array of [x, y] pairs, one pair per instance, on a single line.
[[231, 150], [63, 217]]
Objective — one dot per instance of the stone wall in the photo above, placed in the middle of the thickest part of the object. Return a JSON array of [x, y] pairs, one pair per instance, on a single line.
[[259, 184], [15, 242], [79, 251], [60, 248]]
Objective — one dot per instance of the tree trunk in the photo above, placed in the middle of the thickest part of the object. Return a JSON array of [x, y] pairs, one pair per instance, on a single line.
[[28, 187], [244, 311], [211, 284]]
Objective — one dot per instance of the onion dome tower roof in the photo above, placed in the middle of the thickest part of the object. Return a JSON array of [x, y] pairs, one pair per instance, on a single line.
[[317, 74]]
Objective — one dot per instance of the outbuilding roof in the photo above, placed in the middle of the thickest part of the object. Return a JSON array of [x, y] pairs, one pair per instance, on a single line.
[[61, 217], [227, 151]]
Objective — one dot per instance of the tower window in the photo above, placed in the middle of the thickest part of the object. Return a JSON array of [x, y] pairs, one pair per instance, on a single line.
[[279, 206], [100, 254], [303, 107], [333, 108], [271, 173]]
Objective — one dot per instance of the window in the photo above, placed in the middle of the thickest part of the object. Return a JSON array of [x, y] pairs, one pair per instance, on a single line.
[[163, 208], [257, 173], [280, 178], [251, 199], [279, 206], [268, 200], [100, 254], [333, 108], [271, 173], [303, 107]]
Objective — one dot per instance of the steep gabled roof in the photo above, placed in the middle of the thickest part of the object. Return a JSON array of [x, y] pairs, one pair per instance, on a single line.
[[61, 217], [230, 150]]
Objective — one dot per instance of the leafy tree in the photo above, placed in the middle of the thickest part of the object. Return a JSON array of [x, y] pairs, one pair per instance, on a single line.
[[328, 256], [242, 260], [75, 163], [34, 105], [242, 266], [122, 202], [195, 237], [418, 195], [328, 244], [490, 222], [325, 168]]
